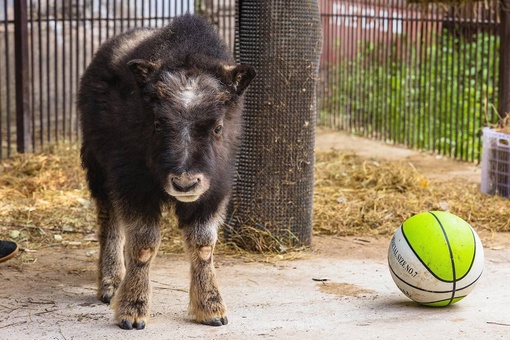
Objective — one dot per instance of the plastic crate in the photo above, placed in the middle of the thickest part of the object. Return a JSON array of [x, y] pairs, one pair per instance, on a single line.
[[495, 163]]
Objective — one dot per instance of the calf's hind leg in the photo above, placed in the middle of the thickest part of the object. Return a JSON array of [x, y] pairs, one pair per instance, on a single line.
[[111, 254], [206, 304]]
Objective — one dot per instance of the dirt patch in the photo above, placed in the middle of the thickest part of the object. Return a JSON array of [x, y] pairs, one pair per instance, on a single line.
[[343, 289]]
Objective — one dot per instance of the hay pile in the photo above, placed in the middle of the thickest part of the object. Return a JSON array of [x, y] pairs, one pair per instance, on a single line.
[[44, 201], [365, 197]]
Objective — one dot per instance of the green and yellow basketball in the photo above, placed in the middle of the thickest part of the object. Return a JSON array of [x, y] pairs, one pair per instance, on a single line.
[[435, 258]]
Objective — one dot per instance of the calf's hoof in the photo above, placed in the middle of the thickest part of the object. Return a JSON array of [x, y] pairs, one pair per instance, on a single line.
[[106, 292], [126, 324], [218, 321], [105, 298]]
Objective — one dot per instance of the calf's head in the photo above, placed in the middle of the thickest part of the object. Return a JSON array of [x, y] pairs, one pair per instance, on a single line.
[[192, 120]]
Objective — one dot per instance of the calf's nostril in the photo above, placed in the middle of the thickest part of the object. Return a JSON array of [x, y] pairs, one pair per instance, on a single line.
[[184, 184]]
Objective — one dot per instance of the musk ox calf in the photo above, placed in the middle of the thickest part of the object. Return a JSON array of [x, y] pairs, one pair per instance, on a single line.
[[160, 113]]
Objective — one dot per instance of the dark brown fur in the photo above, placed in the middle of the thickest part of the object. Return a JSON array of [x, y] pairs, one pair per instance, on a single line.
[[161, 121]]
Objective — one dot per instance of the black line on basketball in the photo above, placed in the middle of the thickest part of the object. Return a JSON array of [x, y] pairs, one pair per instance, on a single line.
[[415, 287], [472, 258], [419, 258], [451, 257], [472, 283]]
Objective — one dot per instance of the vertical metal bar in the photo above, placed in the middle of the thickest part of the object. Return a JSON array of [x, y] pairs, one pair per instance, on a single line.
[[423, 31], [22, 78], [460, 48], [328, 70], [415, 39], [394, 61], [497, 62], [72, 20], [92, 27], [55, 70], [430, 31], [342, 53], [129, 16], [476, 84], [466, 107], [108, 19], [100, 22], [362, 66], [64, 77], [31, 76], [387, 42], [122, 15], [488, 96], [455, 89], [163, 12], [375, 104], [1, 115], [404, 129], [84, 36], [420, 20], [504, 62], [458, 117], [360, 87], [143, 12], [114, 17], [154, 14], [338, 45], [48, 96], [401, 59], [352, 74], [470, 90], [438, 94], [39, 36], [368, 66], [77, 57]]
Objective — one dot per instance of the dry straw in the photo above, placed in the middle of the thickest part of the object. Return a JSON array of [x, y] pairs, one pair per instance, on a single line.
[[44, 202]]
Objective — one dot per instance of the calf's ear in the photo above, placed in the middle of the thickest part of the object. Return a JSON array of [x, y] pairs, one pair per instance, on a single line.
[[239, 77], [142, 69]]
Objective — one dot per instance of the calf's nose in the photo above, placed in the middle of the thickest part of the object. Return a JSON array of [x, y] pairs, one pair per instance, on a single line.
[[185, 183]]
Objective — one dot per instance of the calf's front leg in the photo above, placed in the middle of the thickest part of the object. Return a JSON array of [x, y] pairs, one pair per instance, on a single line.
[[132, 301], [206, 304]]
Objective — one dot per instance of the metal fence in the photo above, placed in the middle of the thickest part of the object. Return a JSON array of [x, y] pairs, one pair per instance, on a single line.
[[45, 46], [422, 76]]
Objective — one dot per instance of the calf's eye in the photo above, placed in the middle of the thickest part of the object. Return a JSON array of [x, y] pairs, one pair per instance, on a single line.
[[218, 129], [157, 126]]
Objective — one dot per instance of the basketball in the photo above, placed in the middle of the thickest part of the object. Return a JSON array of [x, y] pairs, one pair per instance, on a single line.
[[435, 258]]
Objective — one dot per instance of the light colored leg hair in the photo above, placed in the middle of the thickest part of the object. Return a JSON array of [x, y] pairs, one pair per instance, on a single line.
[[132, 301], [111, 252], [206, 304]]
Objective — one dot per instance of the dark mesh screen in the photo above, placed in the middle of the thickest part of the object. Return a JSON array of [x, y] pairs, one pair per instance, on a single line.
[[273, 190]]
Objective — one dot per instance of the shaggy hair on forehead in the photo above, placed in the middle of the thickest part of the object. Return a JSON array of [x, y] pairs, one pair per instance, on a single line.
[[186, 90]]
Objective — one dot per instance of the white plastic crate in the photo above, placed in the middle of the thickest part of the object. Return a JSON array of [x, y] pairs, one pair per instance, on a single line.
[[495, 163]]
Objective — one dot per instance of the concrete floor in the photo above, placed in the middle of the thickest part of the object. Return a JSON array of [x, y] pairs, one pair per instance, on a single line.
[[54, 298]]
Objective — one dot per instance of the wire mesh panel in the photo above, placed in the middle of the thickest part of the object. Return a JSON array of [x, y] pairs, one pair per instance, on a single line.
[[272, 198]]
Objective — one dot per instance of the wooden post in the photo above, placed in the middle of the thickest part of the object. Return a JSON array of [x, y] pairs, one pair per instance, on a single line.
[[504, 61], [23, 128]]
